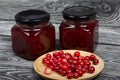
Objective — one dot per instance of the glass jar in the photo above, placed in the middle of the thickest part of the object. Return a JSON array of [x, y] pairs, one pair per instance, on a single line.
[[79, 28], [33, 34]]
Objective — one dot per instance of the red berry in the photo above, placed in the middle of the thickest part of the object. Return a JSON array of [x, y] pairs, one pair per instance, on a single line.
[[87, 58], [64, 67], [56, 68], [81, 58], [47, 63], [80, 73], [52, 67], [77, 54], [55, 54], [75, 75], [63, 56], [91, 69], [69, 75], [47, 71], [84, 70], [69, 71], [95, 61], [48, 56], [61, 52], [55, 60], [86, 62], [92, 57], [81, 63], [63, 73], [86, 66], [44, 59], [79, 67], [67, 65], [74, 62], [70, 60], [68, 55], [64, 61]]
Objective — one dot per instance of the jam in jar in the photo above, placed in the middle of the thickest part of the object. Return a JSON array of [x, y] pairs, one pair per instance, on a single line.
[[79, 28], [33, 34]]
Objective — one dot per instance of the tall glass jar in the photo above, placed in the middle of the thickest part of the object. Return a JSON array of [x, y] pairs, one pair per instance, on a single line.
[[33, 34], [79, 28]]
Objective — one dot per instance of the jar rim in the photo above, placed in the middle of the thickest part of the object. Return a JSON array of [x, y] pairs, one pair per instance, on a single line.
[[79, 13], [32, 16]]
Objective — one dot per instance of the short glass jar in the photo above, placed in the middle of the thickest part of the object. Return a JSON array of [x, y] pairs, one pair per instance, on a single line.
[[79, 28], [33, 34]]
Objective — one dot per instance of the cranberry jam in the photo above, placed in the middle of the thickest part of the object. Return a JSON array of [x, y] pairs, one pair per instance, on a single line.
[[33, 34], [79, 28]]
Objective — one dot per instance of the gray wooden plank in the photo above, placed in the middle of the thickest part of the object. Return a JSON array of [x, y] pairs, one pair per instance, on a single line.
[[13, 67], [107, 10]]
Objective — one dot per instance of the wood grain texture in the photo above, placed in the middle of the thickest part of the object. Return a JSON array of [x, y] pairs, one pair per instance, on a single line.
[[108, 11], [13, 67]]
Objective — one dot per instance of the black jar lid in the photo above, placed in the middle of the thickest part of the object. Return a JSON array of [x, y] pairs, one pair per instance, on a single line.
[[79, 13], [32, 16]]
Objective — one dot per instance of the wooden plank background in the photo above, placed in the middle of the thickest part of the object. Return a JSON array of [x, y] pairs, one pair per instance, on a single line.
[[13, 67]]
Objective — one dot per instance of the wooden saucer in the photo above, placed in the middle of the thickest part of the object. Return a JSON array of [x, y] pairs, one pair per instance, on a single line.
[[39, 67]]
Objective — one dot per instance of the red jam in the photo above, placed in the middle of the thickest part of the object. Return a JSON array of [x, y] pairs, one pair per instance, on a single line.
[[33, 34], [79, 28]]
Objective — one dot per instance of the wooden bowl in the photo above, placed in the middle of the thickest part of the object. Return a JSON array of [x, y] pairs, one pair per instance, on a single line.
[[39, 68]]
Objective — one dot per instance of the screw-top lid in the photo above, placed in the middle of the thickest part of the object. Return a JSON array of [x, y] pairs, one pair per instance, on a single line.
[[32, 16], [79, 13]]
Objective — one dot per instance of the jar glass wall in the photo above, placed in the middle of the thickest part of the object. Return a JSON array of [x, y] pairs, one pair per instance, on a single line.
[[79, 28], [33, 34]]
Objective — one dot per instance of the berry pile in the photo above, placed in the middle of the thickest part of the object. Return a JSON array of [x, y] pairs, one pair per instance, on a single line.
[[72, 66]]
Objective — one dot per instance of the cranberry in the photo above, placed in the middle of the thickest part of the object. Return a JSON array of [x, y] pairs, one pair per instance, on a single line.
[[77, 54], [81, 58], [91, 69], [80, 73], [63, 73], [47, 63], [47, 71], [72, 66], [59, 71], [81, 63], [86, 66], [63, 56], [95, 61], [68, 55], [87, 58], [54, 60], [75, 75], [74, 62], [69, 75], [79, 67], [44, 59], [54, 64], [48, 56], [58, 56], [92, 57], [84, 70], [87, 62], [69, 71], [56, 68], [55, 54], [61, 52], [70, 60], [59, 59], [64, 61], [64, 67]]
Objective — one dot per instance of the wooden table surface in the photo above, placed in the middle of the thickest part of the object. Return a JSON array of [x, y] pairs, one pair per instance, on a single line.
[[13, 67]]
